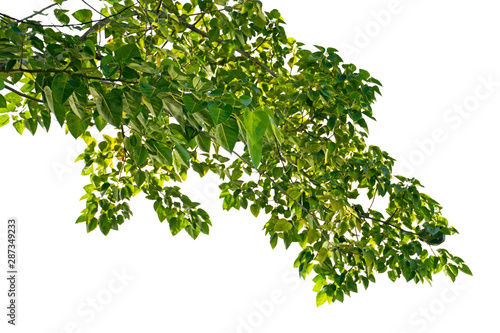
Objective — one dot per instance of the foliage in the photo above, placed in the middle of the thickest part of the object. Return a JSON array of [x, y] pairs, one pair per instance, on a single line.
[[215, 86]]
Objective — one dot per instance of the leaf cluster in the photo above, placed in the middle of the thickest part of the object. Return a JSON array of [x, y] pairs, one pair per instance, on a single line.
[[218, 86]]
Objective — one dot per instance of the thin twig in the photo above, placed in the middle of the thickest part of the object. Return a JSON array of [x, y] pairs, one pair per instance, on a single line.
[[95, 10], [102, 23], [23, 95], [66, 72], [150, 25], [301, 127], [34, 14]]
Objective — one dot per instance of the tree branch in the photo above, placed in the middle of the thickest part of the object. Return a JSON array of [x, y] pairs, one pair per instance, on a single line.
[[101, 23], [387, 222], [39, 12], [240, 51], [263, 174], [34, 14], [23, 95], [301, 127], [65, 72]]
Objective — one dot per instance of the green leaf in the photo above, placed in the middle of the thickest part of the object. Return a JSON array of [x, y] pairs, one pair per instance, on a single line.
[[274, 128], [92, 224], [464, 268], [83, 15], [449, 271], [3, 102], [336, 205], [191, 104], [62, 87], [4, 120], [104, 188], [100, 123], [76, 125], [131, 102], [104, 224], [147, 90], [274, 241], [19, 126], [219, 115], [245, 100], [78, 102], [283, 225], [164, 153], [226, 134], [109, 106], [139, 178], [322, 255], [127, 52], [61, 16], [321, 298], [176, 74], [255, 209], [140, 155], [256, 124], [11, 63], [53, 106], [369, 258], [182, 155], [142, 67], [454, 269], [213, 34], [198, 83], [175, 108]]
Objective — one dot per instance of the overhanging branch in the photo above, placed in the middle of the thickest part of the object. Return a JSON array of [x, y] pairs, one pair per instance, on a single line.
[[240, 51], [23, 95]]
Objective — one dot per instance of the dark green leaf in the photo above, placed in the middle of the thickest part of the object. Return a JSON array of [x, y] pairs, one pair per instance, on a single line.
[[104, 224], [246, 100], [464, 268], [76, 125], [92, 224], [3, 102], [147, 90], [164, 153], [219, 115], [182, 155], [61, 16], [191, 104], [126, 52], [131, 102], [140, 155], [226, 134], [62, 87]]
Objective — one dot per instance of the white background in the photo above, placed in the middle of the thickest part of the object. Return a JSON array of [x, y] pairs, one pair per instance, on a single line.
[[432, 58]]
